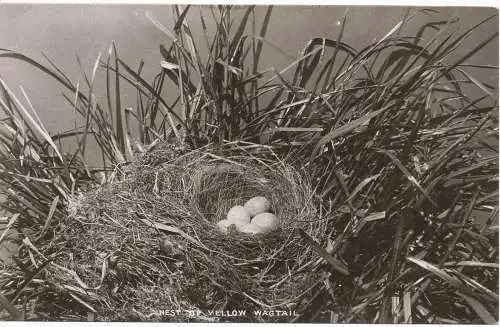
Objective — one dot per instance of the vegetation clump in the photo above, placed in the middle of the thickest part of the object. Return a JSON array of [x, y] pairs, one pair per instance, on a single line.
[[377, 161], [156, 228]]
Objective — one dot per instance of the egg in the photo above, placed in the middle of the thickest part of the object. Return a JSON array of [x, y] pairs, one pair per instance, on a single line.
[[265, 221], [250, 229], [256, 205], [223, 226], [238, 215]]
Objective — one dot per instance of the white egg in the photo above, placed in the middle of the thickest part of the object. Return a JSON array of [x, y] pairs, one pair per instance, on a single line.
[[266, 221], [250, 229], [256, 205], [238, 215], [223, 226]]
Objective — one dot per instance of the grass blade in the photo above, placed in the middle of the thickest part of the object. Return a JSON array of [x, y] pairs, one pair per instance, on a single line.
[[4, 302], [337, 265], [408, 175], [26, 114], [480, 310], [120, 133], [347, 128], [83, 141], [453, 281], [181, 19]]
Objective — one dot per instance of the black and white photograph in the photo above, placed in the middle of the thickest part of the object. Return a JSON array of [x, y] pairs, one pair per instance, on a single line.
[[250, 163]]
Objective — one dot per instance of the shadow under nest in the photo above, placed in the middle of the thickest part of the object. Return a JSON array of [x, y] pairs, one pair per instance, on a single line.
[[149, 242]]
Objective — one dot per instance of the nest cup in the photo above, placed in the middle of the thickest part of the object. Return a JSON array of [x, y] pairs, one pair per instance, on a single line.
[[258, 270], [220, 187]]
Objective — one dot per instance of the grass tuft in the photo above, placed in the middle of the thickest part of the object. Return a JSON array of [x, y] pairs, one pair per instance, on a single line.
[[380, 163]]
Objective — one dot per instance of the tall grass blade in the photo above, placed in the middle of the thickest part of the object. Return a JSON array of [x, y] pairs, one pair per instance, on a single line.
[[361, 185], [34, 124], [408, 175], [11, 222], [479, 84], [61, 73], [108, 87], [152, 91], [83, 142], [15, 55], [470, 54], [160, 26], [347, 128], [262, 35], [337, 265], [480, 310], [239, 32], [52, 210], [181, 19], [120, 133], [453, 281]]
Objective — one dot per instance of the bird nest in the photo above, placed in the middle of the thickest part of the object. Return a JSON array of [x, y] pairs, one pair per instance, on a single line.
[[147, 247]]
